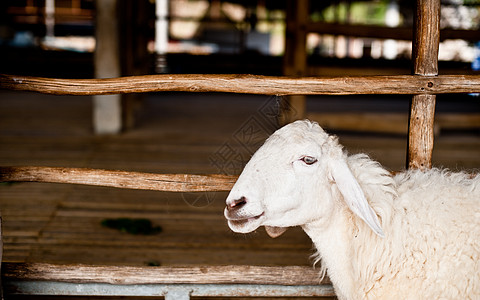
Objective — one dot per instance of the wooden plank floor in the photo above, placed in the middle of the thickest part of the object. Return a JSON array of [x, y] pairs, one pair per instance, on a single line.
[[175, 133]]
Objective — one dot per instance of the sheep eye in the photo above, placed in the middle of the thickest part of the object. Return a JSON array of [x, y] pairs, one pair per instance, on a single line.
[[309, 160]]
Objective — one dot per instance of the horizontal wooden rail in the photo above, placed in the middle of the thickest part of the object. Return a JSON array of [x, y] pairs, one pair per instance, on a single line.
[[119, 179], [247, 84], [172, 283], [285, 275]]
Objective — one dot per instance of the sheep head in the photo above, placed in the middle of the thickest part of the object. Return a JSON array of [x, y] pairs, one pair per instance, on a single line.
[[290, 181]]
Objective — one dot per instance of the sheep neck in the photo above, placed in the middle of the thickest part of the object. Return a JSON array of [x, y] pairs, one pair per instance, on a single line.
[[340, 239], [335, 249]]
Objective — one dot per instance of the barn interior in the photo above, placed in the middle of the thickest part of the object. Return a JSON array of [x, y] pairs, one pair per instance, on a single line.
[[202, 133]]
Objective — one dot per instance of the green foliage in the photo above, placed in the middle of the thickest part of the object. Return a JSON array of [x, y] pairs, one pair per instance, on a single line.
[[361, 12]]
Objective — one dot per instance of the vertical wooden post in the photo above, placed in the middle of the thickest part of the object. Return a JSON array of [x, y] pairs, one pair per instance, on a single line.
[[425, 63], [295, 62], [107, 110], [134, 56], [295, 57]]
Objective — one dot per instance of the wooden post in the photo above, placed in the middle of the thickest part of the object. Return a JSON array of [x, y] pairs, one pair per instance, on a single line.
[[107, 110], [425, 63], [134, 56], [295, 58]]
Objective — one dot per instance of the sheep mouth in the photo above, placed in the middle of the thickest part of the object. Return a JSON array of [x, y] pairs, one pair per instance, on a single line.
[[245, 225], [244, 220]]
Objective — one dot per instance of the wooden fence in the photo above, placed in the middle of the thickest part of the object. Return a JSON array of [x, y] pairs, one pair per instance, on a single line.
[[182, 282]]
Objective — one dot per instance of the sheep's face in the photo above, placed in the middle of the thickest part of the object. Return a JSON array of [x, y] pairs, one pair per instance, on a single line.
[[279, 186], [300, 175]]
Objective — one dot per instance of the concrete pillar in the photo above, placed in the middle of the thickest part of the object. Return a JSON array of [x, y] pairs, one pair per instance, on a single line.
[[107, 110]]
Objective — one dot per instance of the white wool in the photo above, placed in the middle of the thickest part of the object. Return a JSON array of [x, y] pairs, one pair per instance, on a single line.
[[430, 220]]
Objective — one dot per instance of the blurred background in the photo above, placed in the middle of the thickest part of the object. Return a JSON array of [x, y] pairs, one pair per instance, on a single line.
[[200, 133], [201, 36], [86, 39]]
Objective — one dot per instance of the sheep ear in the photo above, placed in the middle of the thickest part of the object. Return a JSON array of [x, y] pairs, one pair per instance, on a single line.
[[353, 195], [274, 232]]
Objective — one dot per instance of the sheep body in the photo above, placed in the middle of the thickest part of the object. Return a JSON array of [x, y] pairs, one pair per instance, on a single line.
[[430, 220]]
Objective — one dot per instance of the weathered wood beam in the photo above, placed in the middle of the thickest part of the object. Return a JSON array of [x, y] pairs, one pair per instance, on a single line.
[[284, 275], [119, 179], [426, 38], [425, 64], [248, 84], [421, 132]]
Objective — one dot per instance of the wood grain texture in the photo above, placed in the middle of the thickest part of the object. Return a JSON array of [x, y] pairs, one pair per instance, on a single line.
[[119, 179], [285, 275], [426, 38], [421, 133], [425, 64], [247, 84]]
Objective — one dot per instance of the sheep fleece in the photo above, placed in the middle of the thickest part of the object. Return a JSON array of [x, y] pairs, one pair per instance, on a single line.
[[434, 243]]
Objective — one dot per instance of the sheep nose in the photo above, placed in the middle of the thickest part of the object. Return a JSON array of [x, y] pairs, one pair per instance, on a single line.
[[236, 204]]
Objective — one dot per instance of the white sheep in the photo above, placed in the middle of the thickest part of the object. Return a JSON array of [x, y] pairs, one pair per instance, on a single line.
[[415, 235]]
